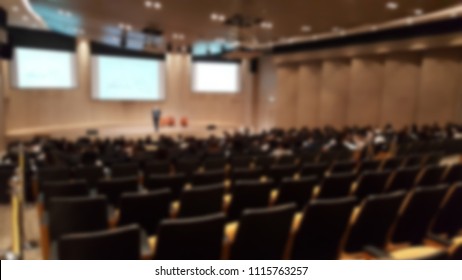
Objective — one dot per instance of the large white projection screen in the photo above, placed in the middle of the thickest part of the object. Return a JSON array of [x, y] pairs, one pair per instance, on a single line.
[[43, 69], [127, 79], [216, 77]]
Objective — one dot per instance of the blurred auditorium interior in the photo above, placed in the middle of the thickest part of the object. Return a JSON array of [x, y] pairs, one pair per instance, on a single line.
[[230, 129]]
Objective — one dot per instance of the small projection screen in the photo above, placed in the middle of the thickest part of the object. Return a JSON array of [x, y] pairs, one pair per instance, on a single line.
[[216, 77], [43, 69], [127, 79]]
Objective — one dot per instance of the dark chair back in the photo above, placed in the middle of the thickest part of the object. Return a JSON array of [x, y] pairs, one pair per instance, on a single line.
[[91, 174], [368, 166], [145, 209], [337, 185], [115, 244], [263, 233], [447, 221], [241, 162], [202, 201], [314, 169], [157, 167], [214, 164], [454, 174], [123, 170], [296, 191], [373, 223], [322, 228], [393, 163], [431, 176], [56, 189], [247, 195], [403, 179], [208, 178], [279, 172], [174, 182], [199, 238], [372, 183], [48, 174], [343, 167], [239, 174], [114, 188], [5, 176]]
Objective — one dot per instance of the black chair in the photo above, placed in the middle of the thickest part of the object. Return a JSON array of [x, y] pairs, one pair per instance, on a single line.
[[123, 170], [198, 238], [56, 189], [76, 215], [174, 182], [5, 176], [114, 188], [239, 174], [208, 178], [314, 169], [322, 228], [373, 223], [115, 244], [414, 223], [337, 185], [454, 174], [299, 191], [403, 179], [264, 162], [414, 161], [241, 162], [368, 166], [48, 174], [263, 233], [214, 164], [203, 201], [286, 160], [393, 163], [343, 167], [308, 157], [187, 166], [145, 209], [91, 174], [248, 194], [157, 168], [279, 172], [371, 183], [431, 176], [433, 159], [448, 221]]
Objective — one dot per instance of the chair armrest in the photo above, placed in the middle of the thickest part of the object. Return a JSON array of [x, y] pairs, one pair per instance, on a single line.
[[440, 240], [377, 252]]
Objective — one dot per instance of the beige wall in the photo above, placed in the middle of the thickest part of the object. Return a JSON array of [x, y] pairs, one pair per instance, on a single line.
[[49, 110], [336, 88]]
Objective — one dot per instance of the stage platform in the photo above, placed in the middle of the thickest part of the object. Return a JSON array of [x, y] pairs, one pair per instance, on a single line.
[[129, 131]]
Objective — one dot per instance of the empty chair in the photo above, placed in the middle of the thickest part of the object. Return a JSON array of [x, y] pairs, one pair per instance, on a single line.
[[174, 182], [76, 215], [241, 161], [157, 167], [263, 233], [5, 176], [454, 174], [322, 228], [414, 161], [202, 201], [214, 164], [336, 185], [199, 238], [122, 170], [372, 225], [114, 244], [145, 209], [371, 183], [447, 222], [393, 163], [279, 172], [343, 167], [187, 166], [368, 166], [431, 176], [114, 188], [91, 174], [414, 222], [296, 191], [47, 174], [208, 178], [239, 174], [314, 169], [433, 159], [55, 189], [403, 179], [248, 194]]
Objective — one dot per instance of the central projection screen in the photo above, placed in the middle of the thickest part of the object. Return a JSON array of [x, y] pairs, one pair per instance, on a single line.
[[118, 78], [216, 77]]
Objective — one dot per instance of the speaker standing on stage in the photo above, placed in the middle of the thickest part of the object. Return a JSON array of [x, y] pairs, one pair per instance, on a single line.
[[156, 114]]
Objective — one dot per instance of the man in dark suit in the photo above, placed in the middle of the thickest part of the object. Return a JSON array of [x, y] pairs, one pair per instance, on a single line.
[[156, 114]]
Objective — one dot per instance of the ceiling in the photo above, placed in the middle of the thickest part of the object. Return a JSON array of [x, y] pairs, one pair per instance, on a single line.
[[186, 21]]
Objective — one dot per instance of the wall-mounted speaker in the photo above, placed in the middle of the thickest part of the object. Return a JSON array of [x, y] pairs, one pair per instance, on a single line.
[[254, 66]]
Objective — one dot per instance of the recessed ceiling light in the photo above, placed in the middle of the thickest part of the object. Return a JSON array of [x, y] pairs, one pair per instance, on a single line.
[[214, 16], [148, 4], [392, 5], [418, 12], [306, 28], [15, 8], [266, 25], [157, 5]]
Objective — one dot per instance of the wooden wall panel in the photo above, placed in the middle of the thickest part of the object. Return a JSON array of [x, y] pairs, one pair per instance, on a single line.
[[334, 92], [2, 111], [309, 82], [440, 85], [287, 96], [365, 95], [401, 88]]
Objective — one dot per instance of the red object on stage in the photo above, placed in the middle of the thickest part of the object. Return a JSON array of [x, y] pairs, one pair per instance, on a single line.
[[184, 122]]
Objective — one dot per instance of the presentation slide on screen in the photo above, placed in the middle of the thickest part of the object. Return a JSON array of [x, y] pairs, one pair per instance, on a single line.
[[129, 79], [43, 69], [216, 77]]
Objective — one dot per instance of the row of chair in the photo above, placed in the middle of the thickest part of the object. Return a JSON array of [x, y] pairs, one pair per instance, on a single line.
[[327, 228]]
